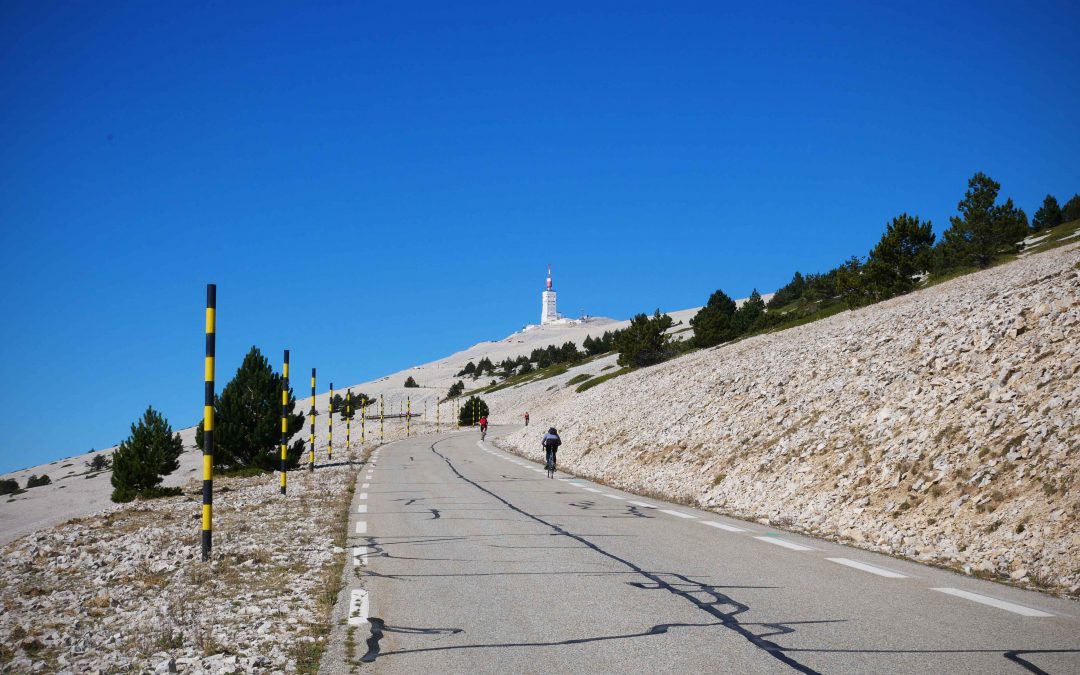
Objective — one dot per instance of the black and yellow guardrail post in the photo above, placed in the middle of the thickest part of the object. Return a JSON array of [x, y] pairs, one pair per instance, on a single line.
[[311, 457], [380, 418], [284, 417], [408, 416], [348, 420], [330, 422], [363, 421], [208, 423]]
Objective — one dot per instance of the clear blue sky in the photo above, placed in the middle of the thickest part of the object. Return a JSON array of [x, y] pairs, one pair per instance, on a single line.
[[433, 158]]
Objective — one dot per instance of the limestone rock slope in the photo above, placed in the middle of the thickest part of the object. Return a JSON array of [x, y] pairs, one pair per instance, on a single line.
[[943, 425]]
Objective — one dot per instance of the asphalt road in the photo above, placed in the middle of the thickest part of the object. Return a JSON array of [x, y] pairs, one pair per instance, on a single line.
[[469, 559]]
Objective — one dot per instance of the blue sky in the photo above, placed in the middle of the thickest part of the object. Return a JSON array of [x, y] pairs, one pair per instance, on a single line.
[[378, 184]]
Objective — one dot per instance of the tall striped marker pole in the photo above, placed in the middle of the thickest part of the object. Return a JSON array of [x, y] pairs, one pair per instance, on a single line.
[[284, 417], [380, 418], [348, 421], [311, 457], [330, 428], [363, 420], [208, 424], [438, 416], [475, 412], [408, 416]]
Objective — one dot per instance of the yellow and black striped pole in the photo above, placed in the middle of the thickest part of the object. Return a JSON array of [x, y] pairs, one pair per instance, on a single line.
[[408, 416], [475, 411], [348, 420], [208, 423], [438, 416], [284, 417], [380, 418], [363, 420], [330, 425], [311, 456]]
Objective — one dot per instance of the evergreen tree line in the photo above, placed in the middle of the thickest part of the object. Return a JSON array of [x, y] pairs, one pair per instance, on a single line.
[[982, 232]]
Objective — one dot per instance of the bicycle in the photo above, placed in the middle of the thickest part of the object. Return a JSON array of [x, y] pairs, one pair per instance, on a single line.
[[549, 462], [483, 433]]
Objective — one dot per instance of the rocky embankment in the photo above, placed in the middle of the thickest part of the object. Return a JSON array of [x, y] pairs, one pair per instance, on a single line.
[[943, 425], [125, 590]]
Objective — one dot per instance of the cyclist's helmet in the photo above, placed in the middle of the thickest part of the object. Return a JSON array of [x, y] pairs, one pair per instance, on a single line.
[[552, 431]]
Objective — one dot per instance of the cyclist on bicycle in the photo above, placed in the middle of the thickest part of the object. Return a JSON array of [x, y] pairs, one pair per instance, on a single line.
[[483, 424], [551, 443]]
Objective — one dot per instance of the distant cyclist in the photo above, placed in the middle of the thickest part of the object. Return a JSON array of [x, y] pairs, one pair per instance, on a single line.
[[551, 443], [526, 418], [483, 427]]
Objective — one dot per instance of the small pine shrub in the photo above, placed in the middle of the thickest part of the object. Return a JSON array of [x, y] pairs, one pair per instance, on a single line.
[[34, 481], [151, 452]]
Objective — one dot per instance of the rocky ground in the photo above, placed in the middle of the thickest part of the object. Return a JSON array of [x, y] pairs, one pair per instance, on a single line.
[[125, 589], [943, 425]]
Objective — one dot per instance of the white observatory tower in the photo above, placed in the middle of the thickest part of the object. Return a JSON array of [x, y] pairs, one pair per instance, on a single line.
[[547, 312]]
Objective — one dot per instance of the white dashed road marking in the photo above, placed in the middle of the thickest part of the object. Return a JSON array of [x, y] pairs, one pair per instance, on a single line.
[[612, 496], [679, 514], [361, 527], [358, 607], [786, 544], [994, 602], [872, 569], [360, 554], [643, 505], [722, 526], [363, 495]]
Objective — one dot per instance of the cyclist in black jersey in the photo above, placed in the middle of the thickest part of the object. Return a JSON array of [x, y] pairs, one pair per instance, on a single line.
[[551, 443]]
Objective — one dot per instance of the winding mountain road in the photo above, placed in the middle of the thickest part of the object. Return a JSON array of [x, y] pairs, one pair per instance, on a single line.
[[468, 559]]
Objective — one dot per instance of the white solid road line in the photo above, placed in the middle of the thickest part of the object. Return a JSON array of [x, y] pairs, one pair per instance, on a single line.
[[612, 496], [722, 526], [642, 504], [362, 508], [361, 527], [994, 602], [358, 607], [591, 490], [872, 569], [679, 514], [786, 544]]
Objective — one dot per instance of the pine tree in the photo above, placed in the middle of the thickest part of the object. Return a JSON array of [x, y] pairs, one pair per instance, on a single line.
[[713, 322], [410, 382], [149, 453], [748, 315], [982, 231], [247, 424], [1071, 210], [1048, 216], [902, 253], [471, 411], [645, 341]]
